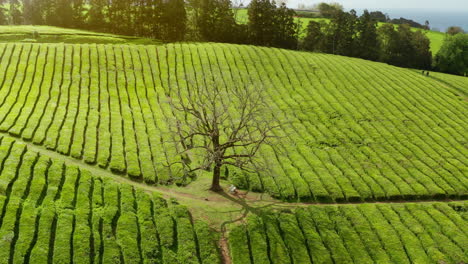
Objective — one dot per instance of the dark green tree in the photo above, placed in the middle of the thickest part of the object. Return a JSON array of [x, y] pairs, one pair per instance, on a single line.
[[453, 55], [367, 44], [422, 56], [270, 25], [120, 17], [173, 20], [261, 22], [3, 13], [65, 9], [286, 28], [341, 33], [215, 21], [97, 15], [33, 12], [379, 16], [403, 47], [78, 19], [314, 37], [16, 16], [388, 42]]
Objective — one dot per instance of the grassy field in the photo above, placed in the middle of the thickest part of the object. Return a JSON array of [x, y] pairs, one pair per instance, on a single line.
[[49, 34], [86, 139], [436, 38]]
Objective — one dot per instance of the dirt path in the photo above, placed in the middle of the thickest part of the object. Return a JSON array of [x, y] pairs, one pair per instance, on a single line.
[[242, 198], [224, 248], [219, 210]]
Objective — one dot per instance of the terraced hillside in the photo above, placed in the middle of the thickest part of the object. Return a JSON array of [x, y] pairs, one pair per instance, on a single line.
[[353, 130], [368, 233], [85, 136], [53, 212]]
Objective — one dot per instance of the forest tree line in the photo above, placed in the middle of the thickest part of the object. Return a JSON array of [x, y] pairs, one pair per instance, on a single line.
[[269, 24]]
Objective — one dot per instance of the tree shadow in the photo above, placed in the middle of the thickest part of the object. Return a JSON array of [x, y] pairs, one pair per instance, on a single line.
[[247, 207]]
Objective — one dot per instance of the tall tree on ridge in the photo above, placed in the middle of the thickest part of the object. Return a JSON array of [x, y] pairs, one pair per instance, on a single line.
[[271, 26], [15, 13], [96, 15], [78, 19], [367, 46], [174, 20], [287, 29], [33, 12], [261, 22], [314, 39], [3, 13], [65, 9], [215, 20], [341, 33]]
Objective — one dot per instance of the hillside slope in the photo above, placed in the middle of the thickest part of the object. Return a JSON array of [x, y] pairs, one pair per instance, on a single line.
[[353, 130], [54, 212], [50, 34]]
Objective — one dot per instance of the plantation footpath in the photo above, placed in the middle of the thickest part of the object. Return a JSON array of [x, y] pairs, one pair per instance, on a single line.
[[351, 130]]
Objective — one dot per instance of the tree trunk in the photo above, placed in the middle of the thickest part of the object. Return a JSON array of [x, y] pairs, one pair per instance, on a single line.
[[215, 186]]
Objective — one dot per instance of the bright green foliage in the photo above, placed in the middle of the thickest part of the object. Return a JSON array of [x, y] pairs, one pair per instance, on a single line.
[[51, 212], [453, 55], [366, 233], [239, 245], [350, 130]]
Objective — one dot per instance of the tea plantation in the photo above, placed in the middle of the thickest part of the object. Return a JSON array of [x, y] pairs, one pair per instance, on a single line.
[[84, 126]]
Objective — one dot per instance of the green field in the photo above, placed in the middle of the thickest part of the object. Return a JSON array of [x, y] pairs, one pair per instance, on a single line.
[[53, 211], [86, 143], [368, 233], [56, 212], [49, 34], [436, 38], [352, 130]]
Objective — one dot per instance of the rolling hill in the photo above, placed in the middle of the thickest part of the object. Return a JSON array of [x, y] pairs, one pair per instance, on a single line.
[[86, 142], [355, 130]]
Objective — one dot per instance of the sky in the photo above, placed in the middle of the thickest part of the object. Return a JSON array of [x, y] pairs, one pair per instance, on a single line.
[[460, 5]]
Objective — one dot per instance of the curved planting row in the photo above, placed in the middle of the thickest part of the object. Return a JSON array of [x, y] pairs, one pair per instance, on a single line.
[[352, 130], [367, 233], [56, 213]]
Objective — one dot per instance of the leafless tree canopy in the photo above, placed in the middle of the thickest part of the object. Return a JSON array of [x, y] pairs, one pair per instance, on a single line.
[[218, 126]]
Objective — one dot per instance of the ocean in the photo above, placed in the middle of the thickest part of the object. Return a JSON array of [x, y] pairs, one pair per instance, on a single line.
[[439, 20]]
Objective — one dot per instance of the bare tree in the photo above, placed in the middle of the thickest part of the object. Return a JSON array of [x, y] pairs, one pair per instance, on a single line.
[[217, 127]]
